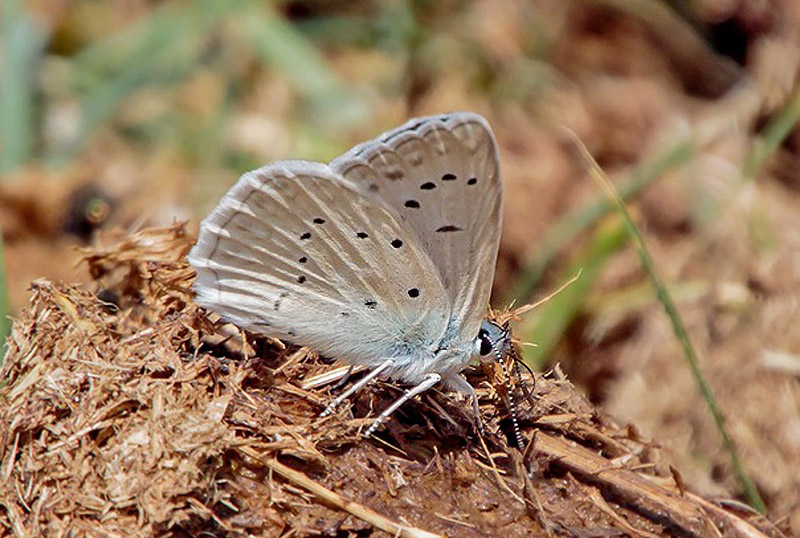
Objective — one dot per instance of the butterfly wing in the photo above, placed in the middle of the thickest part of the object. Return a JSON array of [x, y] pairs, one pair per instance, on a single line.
[[294, 251], [441, 175]]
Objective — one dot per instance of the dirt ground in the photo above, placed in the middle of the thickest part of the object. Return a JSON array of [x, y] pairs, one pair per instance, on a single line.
[[126, 410]]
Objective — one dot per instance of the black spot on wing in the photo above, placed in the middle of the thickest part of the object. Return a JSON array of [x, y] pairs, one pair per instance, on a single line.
[[302, 259], [370, 304], [448, 177], [301, 279], [412, 203], [305, 235], [397, 243], [472, 181], [277, 304], [362, 235], [413, 293], [427, 186], [319, 220], [449, 228]]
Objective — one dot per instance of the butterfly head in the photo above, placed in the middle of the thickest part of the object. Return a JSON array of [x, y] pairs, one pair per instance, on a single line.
[[493, 342], [494, 346]]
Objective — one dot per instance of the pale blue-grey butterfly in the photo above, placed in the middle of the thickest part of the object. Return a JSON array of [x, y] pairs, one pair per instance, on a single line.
[[382, 258]]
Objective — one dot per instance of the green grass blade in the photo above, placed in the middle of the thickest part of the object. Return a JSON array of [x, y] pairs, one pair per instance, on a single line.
[[665, 298], [575, 222], [545, 326], [350, 30], [773, 135], [21, 45], [5, 306]]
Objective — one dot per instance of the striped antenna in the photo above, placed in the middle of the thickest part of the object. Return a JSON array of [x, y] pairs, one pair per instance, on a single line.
[[512, 403]]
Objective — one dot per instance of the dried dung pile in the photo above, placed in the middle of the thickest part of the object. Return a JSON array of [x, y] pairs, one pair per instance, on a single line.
[[127, 411]]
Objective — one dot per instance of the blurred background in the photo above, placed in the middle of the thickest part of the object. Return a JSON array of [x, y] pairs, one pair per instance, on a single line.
[[134, 113]]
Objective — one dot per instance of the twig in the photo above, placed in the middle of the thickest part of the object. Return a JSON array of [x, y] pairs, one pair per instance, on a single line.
[[688, 513], [502, 483], [335, 500]]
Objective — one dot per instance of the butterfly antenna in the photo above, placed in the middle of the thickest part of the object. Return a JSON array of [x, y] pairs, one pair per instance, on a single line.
[[517, 362], [515, 314], [512, 404]]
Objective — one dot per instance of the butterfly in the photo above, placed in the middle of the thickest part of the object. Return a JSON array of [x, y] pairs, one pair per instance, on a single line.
[[382, 258]]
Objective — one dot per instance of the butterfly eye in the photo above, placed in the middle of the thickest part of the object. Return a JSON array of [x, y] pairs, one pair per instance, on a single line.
[[485, 343]]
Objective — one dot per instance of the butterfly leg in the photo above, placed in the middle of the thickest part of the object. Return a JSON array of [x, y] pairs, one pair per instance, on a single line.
[[356, 386], [459, 384], [429, 381]]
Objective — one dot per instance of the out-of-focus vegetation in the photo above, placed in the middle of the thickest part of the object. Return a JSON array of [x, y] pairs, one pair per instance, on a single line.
[[5, 311], [185, 75]]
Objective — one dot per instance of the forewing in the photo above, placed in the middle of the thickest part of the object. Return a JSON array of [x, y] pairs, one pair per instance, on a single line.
[[294, 251], [441, 174]]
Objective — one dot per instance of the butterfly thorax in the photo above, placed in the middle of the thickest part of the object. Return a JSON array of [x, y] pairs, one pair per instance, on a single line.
[[412, 368], [414, 353]]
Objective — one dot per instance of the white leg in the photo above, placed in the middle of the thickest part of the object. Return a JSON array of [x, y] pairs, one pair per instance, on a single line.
[[356, 386], [429, 381], [458, 383]]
